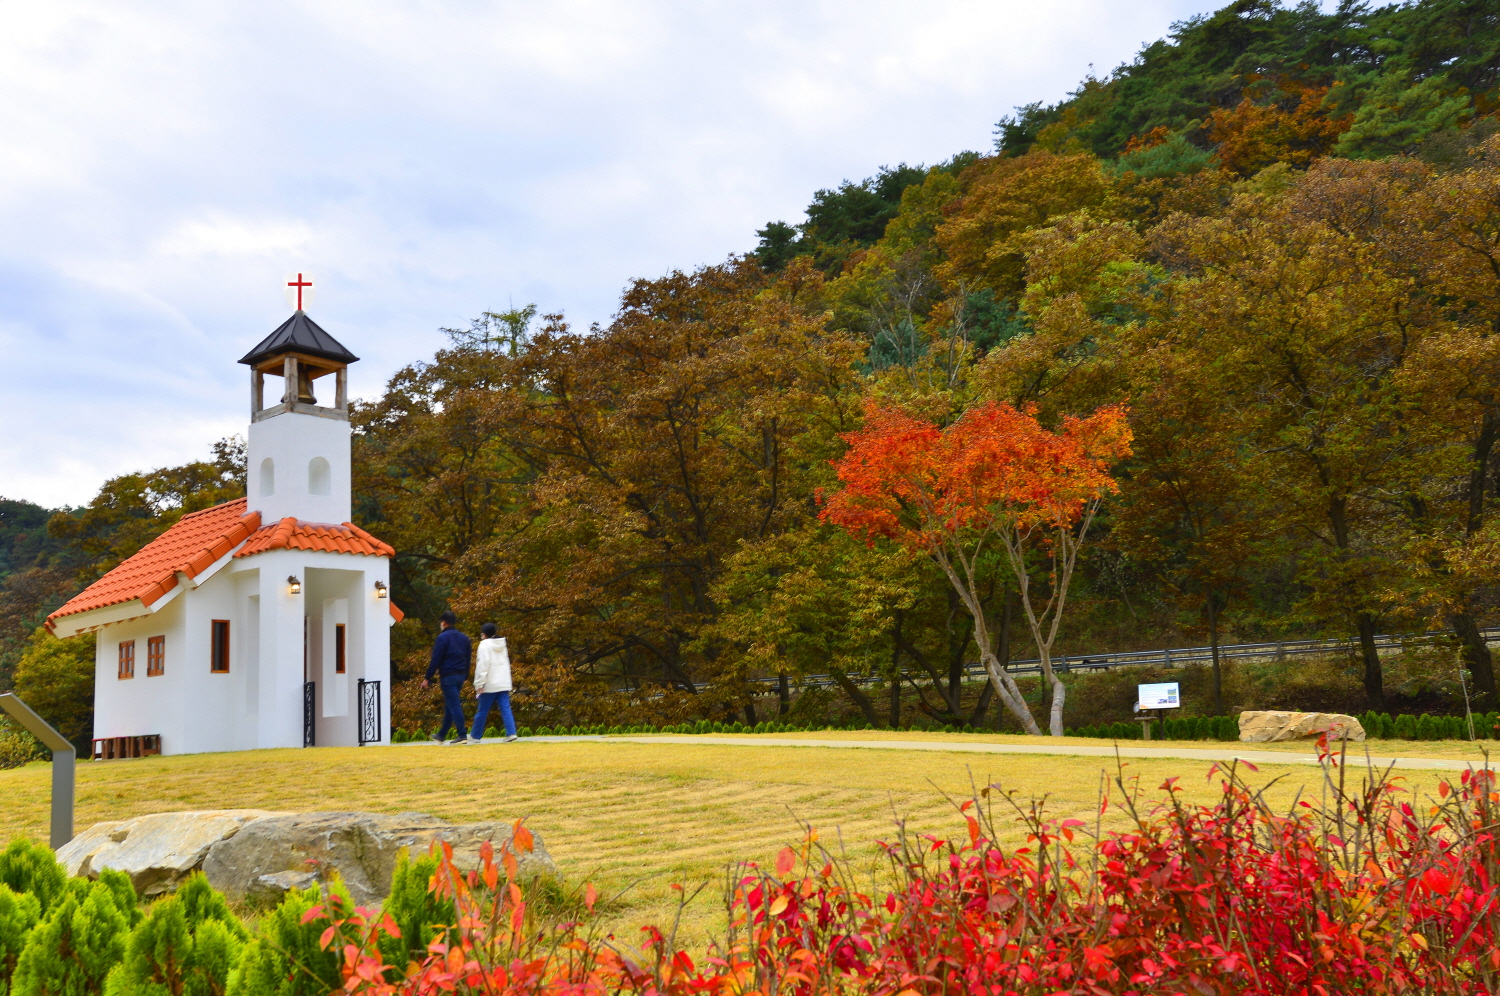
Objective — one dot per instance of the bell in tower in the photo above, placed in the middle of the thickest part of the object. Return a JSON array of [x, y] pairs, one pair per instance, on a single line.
[[300, 353], [305, 385], [298, 445]]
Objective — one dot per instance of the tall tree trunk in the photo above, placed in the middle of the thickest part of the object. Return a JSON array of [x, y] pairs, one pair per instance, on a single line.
[[953, 706], [750, 719], [1374, 678], [982, 706], [1213, 643], [1010, 694], [783, 695], [896, 674], [857, 694], [1476, 654], [955, 694], [1364, 621], [1005, 618]]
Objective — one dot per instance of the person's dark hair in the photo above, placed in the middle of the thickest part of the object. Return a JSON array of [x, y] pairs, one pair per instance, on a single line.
[[449, 618], [488, 629]]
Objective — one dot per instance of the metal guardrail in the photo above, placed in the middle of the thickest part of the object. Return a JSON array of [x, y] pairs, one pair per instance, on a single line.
[[1177, 657]]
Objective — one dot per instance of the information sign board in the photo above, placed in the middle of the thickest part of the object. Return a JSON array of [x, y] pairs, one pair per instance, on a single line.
[[1159, 696]]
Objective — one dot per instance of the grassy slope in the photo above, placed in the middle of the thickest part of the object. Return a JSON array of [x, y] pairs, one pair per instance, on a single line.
[[614, 813]]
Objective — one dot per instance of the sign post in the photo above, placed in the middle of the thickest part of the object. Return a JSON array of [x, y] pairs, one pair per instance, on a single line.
[[1159, 696], [63, 760]]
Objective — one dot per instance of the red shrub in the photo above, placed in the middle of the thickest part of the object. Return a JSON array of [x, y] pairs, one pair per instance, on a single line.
[[1369, 896]]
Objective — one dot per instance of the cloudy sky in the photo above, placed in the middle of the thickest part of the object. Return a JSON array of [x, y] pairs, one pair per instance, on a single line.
[[164, 164]]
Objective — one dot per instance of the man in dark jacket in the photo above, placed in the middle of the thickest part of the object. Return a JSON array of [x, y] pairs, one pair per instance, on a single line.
[[450, 662]]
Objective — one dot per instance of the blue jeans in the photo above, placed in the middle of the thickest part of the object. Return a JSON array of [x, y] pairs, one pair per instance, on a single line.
[[486, 700], [453, 709]]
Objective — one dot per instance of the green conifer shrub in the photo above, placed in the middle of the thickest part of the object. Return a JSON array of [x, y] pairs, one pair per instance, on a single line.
[[287, 959], [19, 912], [417, 912], [80, 939], [186, 946], [1405, 727], [29, 867]]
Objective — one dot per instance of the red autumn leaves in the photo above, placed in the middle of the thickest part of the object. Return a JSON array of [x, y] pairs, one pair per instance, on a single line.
[[908, 480]]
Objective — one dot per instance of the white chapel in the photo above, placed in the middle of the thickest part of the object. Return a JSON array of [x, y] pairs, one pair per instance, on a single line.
[[264, 621]]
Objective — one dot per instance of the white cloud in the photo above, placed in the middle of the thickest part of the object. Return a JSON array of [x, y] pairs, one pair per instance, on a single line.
[[167, 162]]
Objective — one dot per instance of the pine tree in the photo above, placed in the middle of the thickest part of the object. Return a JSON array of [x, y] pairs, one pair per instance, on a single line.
[[288, 960], [19, 912], [417, 912], [71, 952], [28, 867], [187, 946]]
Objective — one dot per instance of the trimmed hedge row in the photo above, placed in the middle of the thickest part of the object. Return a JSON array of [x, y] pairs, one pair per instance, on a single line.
[[1378, 726], [701, 726]]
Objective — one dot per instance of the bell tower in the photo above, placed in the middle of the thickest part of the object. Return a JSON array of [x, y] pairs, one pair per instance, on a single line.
[[298, 453]]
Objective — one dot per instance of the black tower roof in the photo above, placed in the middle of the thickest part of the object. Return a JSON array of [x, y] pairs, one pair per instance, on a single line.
[[299, 334]]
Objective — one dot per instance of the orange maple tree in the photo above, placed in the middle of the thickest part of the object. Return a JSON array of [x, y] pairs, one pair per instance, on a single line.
[[994, 475]]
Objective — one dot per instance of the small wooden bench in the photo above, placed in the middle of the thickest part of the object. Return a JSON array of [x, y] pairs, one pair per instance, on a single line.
[[116, 748]]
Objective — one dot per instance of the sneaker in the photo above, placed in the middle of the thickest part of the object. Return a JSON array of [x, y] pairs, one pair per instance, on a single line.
[[436, 739], [458, 741], [510, 738]]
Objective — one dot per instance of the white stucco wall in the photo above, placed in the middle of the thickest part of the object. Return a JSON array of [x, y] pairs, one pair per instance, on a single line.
[[293, 442], [258, 703]]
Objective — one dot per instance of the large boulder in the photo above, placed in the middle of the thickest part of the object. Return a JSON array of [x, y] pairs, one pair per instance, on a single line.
[[1265, 727], [156, 851], [361, 847]]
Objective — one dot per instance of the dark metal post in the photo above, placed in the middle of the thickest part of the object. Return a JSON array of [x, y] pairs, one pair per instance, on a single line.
[[64, 759], [309, 714], [369, 712]]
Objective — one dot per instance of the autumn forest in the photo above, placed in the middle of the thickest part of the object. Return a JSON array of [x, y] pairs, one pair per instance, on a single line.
[[1265, 253]]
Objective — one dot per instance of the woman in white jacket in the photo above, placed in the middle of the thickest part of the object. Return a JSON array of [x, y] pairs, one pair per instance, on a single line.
[[492, 683]]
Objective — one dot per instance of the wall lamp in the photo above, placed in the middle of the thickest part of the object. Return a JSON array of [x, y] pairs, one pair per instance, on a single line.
[[293, 584], [381, 591]]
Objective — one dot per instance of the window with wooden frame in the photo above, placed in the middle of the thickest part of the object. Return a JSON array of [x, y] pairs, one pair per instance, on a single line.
[[127, 659], [156, 656], [340, 649], [219, 652]]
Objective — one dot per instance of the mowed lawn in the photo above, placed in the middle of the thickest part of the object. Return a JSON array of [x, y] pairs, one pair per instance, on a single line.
[[631, 816]]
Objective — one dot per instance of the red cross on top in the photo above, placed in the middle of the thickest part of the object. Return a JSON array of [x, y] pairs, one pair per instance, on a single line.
[[299, 283]]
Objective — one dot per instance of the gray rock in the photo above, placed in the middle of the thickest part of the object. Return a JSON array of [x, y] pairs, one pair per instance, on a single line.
[[361, 847], [267, 890], [156, 851]]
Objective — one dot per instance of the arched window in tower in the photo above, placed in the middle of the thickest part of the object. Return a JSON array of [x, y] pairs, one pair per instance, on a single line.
[[319, 477], [267, 478]]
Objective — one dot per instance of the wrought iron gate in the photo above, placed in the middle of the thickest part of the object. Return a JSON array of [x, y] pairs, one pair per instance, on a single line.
[[369, 712], [309, 713]]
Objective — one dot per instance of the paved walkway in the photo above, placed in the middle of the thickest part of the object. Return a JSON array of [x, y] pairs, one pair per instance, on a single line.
[[1257, 757]]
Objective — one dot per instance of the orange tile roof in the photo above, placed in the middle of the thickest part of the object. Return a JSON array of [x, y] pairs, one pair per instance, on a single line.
[[191, 546], [294, 534]]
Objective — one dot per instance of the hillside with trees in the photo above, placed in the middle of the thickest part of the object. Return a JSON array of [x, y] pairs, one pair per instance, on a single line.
[[1273, 239]]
